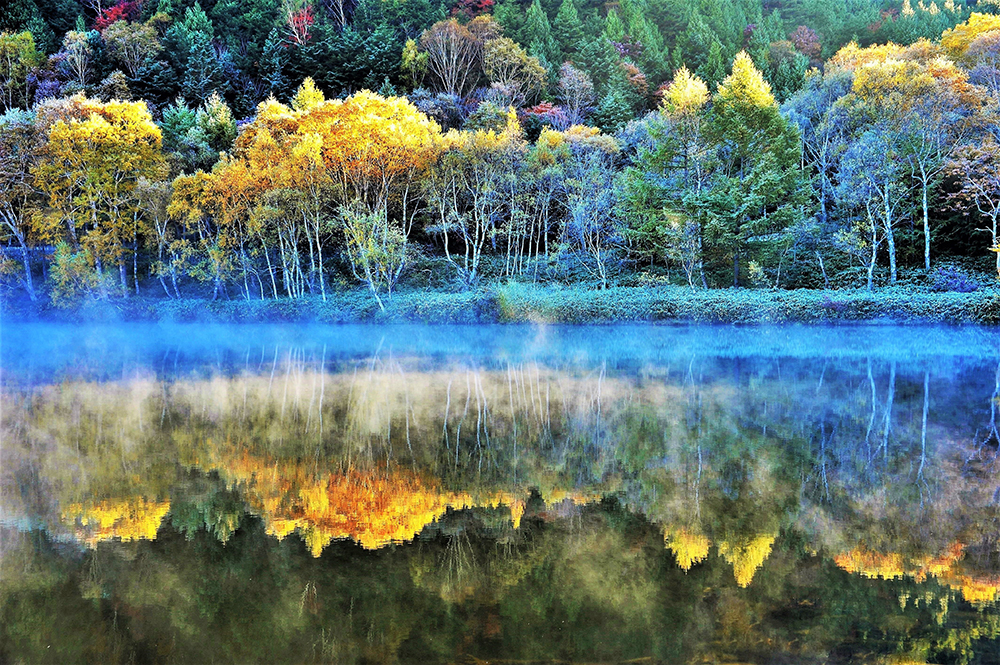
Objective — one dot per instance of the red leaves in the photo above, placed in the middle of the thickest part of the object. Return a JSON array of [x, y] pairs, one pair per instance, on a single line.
[[123, 11], [470, 9], [299, 22]]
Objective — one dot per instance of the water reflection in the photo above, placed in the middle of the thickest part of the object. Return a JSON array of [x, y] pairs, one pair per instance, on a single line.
[[441, 495]]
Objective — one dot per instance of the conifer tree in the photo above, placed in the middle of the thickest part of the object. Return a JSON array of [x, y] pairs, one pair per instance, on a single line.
[[567, 28]]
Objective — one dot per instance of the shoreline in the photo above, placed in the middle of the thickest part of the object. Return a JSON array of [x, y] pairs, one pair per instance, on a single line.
[[516, 303]]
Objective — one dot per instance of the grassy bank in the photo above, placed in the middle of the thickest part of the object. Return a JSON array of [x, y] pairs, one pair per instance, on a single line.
[[552, 304]]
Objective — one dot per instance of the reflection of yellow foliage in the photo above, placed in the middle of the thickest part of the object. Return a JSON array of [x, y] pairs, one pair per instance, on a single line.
[[977, 592], [372, 507], [127, 519], [689, 548], [747, 557], [945, 567], [871, 564]]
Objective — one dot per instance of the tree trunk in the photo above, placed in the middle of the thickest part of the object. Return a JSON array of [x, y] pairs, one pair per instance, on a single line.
[[927, 231], [28, 284], [890, 238]]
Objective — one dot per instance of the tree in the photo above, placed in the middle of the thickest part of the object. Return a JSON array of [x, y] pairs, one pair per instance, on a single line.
[[204, 74], [453, 56], [576, 90], [807, 42], [922, 104], [613, 111], [375, 147], [931, 133], [536, 33], [516, 76], [194, 139], [18, 57], [18, 154], [592, 224], [669, 173], [957, 40], [79, 53], [274, 60], [977, 168], [684, 104], [132, 44], [414, 64], [92, 159], [470, 192], [872, 179], [376, 248], [758, 188], [567, 28]]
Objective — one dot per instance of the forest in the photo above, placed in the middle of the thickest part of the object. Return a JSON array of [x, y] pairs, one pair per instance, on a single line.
[[299, 150]]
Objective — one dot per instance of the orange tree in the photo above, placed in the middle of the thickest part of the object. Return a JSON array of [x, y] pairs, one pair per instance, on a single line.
[[279, 190]]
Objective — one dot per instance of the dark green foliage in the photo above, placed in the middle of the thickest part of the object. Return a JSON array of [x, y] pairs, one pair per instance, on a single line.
[[567, 28]]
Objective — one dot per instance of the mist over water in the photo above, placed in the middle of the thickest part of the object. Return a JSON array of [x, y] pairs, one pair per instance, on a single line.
[[181, 493]]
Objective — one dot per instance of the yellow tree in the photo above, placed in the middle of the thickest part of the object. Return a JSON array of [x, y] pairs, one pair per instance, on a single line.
[[291, 166], [374, 147], [18, 56], [684, 105], [958, 39], [216, 211], [18, 153], [94, 155]]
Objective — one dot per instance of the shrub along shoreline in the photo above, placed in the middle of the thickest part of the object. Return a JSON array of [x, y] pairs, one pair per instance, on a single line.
[[516, 303]]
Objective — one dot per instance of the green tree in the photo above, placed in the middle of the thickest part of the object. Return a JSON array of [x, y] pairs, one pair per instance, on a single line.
[[758, 189], [567, 28], [18, 56], [536, 33]]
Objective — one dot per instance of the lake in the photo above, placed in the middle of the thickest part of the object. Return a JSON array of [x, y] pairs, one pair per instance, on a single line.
[[423, 494]]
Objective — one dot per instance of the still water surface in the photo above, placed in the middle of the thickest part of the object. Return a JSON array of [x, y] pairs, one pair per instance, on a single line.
[[364, 494]]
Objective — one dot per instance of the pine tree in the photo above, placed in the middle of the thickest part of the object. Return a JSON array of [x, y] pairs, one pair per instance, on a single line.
[[613, 111], [714, 69], [537, 34], [614, 28], [759, 188], [273, 63], [203, 75], [567, 28]]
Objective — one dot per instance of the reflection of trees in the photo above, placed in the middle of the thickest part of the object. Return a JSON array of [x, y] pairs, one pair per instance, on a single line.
[[745, 490]]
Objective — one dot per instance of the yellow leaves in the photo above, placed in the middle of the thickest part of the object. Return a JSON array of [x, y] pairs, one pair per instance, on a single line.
[[746, 85], [552, 145], [747, 556], [957, 39], [122, 519], [367, 143], [371, 137], [946, 568], [373, 507], [894, 80], [852, 56], [871, 564], [687, 94], [689, 548], [307, 97], [876, 82], [95, 154]]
